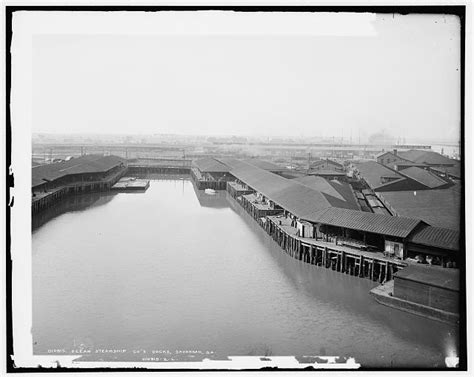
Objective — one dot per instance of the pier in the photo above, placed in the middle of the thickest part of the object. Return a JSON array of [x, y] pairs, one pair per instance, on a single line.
[[373, 265], [94, 173], [47, 195], [204, 181]]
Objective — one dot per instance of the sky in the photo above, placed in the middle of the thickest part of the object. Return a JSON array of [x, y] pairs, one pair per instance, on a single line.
[[228, 73]]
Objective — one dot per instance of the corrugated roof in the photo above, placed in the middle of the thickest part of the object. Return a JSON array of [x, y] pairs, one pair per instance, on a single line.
[[424, 177], [81, 165], [437, 237], [211, 165], [441, 208], [447, 278], [366, 222]]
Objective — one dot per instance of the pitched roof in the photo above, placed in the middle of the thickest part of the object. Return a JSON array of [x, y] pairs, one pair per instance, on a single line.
[[391, 153], [453, 171], [319, 184], [316, 206], [425, 157], [366, 222], [211, 165], [373, 172], [287, 193], [325, 164], [80, 165], [265, 165], [328, 172], [447, 278], [440, 208], [336, 189], [423, 176], [437, 237]]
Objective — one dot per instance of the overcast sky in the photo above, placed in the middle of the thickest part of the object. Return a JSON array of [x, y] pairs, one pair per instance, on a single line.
[[240, 74]]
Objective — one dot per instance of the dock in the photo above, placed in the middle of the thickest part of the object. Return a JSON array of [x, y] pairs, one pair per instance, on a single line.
[[338, 256], [131, 184]]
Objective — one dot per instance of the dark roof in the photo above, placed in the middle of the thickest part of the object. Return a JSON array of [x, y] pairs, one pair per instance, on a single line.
[[332, 189], [80, 165], [453, 171], [423, 176], [436, 237], [211, 165], [425, 157], [366, 222], [440, 208], [447, 278], [319, 184], [397, 155], [287, 193], [372, 172]]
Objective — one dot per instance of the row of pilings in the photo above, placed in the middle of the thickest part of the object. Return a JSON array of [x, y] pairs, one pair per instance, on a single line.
[[54, 196], [202, 183], [341, 259]]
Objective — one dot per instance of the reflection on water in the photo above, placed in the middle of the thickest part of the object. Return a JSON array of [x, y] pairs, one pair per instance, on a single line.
[[171, 269], [70, 204]]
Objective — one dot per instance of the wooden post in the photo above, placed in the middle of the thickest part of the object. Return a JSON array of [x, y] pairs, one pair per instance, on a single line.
[[361, 266]]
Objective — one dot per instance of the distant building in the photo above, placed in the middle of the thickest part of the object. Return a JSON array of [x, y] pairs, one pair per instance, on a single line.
[[390, 158], [426, 159], [383, 178]]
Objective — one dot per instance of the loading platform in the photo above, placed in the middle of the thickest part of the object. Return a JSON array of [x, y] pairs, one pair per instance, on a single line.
[[131, 184]]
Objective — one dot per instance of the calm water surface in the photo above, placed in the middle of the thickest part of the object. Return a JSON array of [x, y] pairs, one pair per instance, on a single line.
[[172, 269]]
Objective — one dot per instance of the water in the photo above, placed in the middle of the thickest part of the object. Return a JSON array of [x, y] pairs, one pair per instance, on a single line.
[[168, 270]]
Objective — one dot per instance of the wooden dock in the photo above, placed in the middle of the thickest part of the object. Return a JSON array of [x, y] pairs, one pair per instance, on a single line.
[[202, 183], [131, 184], [374, 265], [47, 199]]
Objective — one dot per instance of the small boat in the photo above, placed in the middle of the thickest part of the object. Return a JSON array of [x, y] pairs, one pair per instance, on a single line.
[[210, 191]]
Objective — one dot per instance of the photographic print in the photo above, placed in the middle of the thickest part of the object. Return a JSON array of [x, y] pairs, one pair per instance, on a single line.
[[236, 188]]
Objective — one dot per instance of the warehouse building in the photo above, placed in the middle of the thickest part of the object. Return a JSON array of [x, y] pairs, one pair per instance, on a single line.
[[50, 182]]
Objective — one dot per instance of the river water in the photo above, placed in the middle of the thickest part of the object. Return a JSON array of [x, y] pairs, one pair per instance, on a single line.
[[170, 271]]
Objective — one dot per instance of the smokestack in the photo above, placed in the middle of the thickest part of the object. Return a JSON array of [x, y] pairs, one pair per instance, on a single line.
[[395, 152]]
